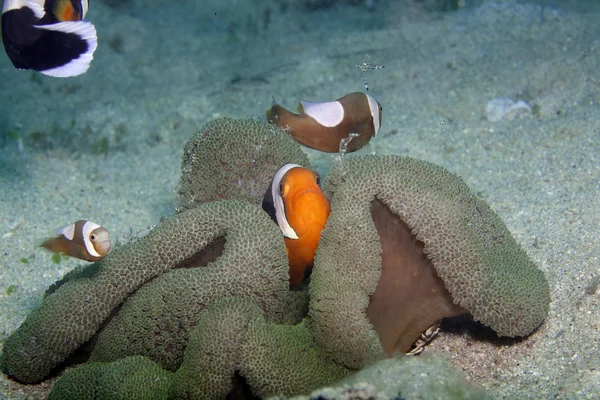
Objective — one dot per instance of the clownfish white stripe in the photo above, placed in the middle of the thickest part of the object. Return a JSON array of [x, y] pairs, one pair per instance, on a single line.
[[81, 28], [282, 221], [84, 8], [36, 6], [87, 229], [374, 107], [329, 114], [67, 231]]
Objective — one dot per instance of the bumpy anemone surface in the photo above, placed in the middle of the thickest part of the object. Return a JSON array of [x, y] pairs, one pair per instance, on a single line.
[[74, 311], [157, 319], [472, 250], [208, 326], [234, 159]]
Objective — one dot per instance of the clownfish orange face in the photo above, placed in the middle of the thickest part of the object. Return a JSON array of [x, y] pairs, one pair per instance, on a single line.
[[295, 201], [84, 240], [347, 123]]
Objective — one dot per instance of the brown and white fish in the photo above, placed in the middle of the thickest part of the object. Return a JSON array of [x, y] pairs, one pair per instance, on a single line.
[[85, 240], [323, 126]]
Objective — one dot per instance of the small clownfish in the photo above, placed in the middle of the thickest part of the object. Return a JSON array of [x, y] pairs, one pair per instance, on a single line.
[[296, 203], [85, 240], [323, 126], [48, 36]]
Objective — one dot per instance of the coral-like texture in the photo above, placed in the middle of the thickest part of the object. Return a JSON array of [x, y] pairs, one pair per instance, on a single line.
[[157, 319], [186, 331], [337, 337], [70, 315], [425, 377], [234, 159], [273, 358], [130, 378], [232, 335], [473, 252]]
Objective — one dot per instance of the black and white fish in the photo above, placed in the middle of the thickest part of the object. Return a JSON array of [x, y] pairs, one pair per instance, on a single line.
[[48, 36]]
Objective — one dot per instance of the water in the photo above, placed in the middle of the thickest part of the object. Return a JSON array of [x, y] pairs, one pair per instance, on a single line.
[[106, 146]]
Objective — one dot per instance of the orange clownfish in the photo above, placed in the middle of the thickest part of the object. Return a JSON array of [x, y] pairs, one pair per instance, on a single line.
[[296, 203], [85, 240], [354, 119]]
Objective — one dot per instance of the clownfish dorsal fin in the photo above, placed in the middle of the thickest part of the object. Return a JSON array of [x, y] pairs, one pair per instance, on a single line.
[[67, 231], [328, 114]]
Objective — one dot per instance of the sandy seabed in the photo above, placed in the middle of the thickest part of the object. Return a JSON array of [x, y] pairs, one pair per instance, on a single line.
[[107, 146]]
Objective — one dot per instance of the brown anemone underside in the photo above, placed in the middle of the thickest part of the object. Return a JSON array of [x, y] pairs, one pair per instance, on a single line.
[[410, 297]]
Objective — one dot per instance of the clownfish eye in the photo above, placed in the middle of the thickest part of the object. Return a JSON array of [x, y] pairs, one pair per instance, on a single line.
[[318, 180], [281, 188], [92, 237]]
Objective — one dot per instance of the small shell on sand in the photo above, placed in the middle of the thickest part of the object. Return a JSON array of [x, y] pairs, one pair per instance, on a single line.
[[506, 109]]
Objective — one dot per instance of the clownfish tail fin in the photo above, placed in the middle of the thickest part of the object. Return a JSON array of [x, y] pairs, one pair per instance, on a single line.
[[273, 114], [73, 44]]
